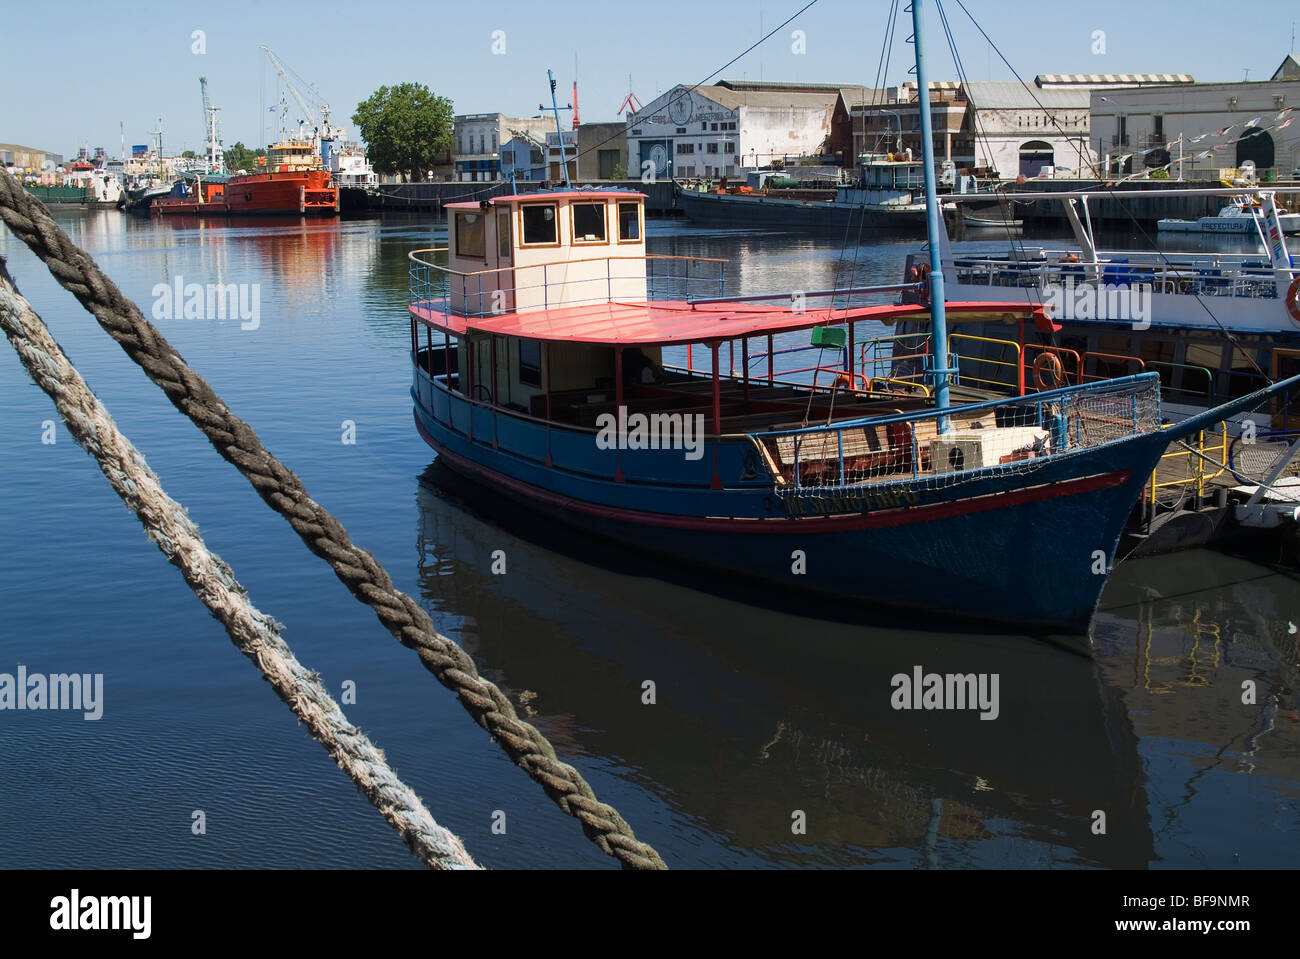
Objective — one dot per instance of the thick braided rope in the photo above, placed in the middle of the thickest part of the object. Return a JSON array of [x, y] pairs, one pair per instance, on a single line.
[[324, 535], [256, 634]]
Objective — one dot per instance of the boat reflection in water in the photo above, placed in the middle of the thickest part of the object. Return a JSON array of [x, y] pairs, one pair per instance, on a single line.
[[761, 711], [763, 708], [1203, 650]]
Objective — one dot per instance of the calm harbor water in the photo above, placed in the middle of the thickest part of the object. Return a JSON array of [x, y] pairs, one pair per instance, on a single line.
[[766, 706]]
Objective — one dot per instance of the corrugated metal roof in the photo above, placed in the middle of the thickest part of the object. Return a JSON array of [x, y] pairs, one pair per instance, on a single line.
[[1102, 79], [858, 96], [1014, 96], [731, 99], [770, 86]]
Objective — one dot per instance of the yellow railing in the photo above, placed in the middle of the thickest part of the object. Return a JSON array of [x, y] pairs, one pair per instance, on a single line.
[[909, 385], [1018, 364], [1200, 455]]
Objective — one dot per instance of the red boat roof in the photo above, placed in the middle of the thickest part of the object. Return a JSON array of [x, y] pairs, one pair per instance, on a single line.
[[551, 195], [665, 323]]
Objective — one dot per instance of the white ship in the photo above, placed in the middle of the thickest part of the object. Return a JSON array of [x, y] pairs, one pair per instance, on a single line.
[[349, 166], [1213, 325], [1237, 217]]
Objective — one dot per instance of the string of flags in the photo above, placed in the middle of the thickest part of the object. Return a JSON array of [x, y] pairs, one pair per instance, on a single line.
[[1281, 121]]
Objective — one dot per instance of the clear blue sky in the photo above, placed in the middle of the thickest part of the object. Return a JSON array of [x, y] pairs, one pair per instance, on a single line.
[[72, 71]]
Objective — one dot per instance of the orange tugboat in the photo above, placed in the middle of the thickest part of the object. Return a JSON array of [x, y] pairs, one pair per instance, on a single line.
[[296, 182], [195, 194]]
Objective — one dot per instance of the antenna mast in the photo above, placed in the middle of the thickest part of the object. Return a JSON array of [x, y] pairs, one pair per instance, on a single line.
[[559, 133]]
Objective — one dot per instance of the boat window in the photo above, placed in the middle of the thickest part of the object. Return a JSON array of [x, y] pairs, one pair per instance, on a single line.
[[588, 222], [530, 362], [1158, 351], [469, 235], [503, 233], [629, 221], [539, 223], [1117, 345], [1210, 357], [1159, 357], [1245, 375]]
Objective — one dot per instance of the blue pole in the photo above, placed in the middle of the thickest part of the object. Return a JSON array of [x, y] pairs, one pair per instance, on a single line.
[[555, 108], [938, 316]]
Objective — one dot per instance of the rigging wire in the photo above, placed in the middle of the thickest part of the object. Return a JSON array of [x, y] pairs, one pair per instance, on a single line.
[[877, 92], [750, 49], [1107, 187], [1005, 206]]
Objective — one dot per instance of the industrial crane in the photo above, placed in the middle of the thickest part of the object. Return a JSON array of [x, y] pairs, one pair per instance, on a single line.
[[326, 131], [216, 156]]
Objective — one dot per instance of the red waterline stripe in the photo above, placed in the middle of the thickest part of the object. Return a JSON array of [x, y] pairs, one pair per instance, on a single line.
[[780, 524]]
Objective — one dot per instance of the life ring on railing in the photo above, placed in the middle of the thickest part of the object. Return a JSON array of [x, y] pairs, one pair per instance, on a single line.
[[1048, 362], [842, 382], [923, 283], [1293, 299]]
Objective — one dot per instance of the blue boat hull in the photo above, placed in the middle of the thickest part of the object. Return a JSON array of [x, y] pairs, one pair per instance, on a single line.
[[1034, 555]]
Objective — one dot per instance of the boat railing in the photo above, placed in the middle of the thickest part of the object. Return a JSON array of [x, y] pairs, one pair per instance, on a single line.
[[1018, 365], [878, 375], [490, 292], [1185, 388], [1102, 362], [1187, 468], [1014, 434], [1243, 275]]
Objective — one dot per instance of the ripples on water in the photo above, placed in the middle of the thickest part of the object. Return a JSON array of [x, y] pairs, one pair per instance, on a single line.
[[765, 705]]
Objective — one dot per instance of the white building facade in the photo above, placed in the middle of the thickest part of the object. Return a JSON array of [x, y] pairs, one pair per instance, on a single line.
[[1201, 130], [716, 131], [477, 139], [1028, 132]]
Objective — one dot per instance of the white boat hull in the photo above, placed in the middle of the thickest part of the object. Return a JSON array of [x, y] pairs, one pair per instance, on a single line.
[[1237, 225]]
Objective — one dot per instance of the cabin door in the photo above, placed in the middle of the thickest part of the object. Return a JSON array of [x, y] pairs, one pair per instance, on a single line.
[[502, 258]]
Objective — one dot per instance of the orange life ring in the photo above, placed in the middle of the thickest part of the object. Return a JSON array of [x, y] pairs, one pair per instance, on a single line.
[[842, 382], [1048, 361], [1293, 299]]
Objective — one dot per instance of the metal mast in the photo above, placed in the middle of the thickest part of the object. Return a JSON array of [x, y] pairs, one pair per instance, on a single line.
[[939, 371], [555, 108]]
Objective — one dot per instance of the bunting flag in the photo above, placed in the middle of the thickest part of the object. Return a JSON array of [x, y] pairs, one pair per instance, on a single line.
[[1284, 124], [1254, 122], [1282, 113], [1205, 156], [1224, 131], [1198, 139]]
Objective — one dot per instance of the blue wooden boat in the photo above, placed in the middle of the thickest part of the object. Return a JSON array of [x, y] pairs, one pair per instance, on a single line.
[[548, 368]]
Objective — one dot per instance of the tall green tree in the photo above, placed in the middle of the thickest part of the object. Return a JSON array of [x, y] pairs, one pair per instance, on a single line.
[[240, 157], [407, 129]]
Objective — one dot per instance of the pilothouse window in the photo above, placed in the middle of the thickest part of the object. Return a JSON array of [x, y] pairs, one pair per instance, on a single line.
[[629, 221], [470, 235], [503, 234], [539, 223], [588, 223]]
